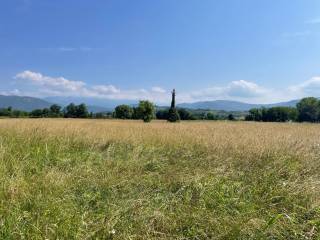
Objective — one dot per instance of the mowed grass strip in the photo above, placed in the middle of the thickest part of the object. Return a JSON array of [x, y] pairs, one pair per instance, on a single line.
[[96, 179]]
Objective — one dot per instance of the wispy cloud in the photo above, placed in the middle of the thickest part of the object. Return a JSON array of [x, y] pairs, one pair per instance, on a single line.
[[296, 34], [313, 21], [70, 49]]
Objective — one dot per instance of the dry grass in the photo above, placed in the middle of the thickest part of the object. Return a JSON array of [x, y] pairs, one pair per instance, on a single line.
[[97, 179]]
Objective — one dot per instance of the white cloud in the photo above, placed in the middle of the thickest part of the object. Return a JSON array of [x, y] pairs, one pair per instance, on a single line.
[[310, 87], [60, 86], [237, 90], [240, 90], [158, 90], [105, 89], [59, 83], [244, 88], [15, 92]]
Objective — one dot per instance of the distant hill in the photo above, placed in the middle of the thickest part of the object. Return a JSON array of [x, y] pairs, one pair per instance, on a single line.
[[94, 104], [227, 105], [31, 103], [100, 105], [23, 103], [98, 109]]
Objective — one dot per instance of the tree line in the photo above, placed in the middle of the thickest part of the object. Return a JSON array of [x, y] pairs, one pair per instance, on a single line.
[[54, 111], [145, 110], [306, 110]]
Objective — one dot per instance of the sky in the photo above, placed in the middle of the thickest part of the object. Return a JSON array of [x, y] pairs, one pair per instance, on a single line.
[[246, 50]]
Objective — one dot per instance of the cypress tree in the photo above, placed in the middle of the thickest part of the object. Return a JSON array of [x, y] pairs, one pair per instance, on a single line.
[[173, 115]]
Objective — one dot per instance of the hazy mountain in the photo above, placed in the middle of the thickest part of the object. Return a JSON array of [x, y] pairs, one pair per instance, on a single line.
[[102, 105], [93, 103], [97, 109], [23, 103], [227, 105]]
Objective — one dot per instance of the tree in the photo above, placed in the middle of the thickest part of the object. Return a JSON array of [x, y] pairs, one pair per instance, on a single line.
[[210, 116], [173, 115], [145, 111], [82, 111], [70, 111], [123, 112], [185, 114], [308, 110], [255, 114], [37, 113], [45, 112], [280, 114], [55, 110], [162, 114], [231, 117]]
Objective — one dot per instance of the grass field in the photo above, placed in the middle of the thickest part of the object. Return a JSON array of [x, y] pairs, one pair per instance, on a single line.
[[104, 179]]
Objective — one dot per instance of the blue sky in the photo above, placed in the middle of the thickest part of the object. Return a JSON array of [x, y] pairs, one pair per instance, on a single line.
[[248, 50]]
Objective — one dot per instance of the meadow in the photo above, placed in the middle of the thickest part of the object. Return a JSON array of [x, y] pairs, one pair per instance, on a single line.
[[112, 179]]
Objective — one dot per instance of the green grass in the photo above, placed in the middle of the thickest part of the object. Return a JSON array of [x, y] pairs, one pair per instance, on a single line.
[[68, 185]]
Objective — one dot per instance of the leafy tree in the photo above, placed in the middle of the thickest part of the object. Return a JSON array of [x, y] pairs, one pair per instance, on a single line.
[[308, 110], [55, 110], [18, 114], [145, 111], [82, 111], [45, 112], [280, 114], [255, 114], [70, 111], [5, 112], [231, 117], [184, 114], [274, 114], [162, 114], [37, 113], [123, 112], [210, 116]]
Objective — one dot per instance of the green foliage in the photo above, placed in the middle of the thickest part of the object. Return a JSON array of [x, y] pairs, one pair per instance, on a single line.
[[9, 112], [255, 114], [210, 116], [70, 111], [37, 113], [185, 114], [123, 112], [308, 110], [82, 111], [145, 111], [46, 112], [274, 114], [231, 117], [173, 115], [162, 114], [55, 110], [74, 111]]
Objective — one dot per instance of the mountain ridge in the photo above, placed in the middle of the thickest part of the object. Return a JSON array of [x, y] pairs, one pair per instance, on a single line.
[[27, 103], [229, 105]]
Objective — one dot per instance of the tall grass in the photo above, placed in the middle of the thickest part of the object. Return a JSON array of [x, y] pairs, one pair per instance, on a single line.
[[97, 179]]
